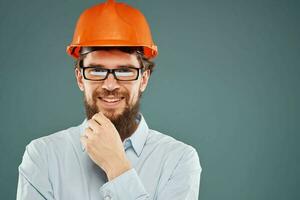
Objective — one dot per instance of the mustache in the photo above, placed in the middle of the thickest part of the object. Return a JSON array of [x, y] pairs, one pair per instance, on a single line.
[[105, 93]]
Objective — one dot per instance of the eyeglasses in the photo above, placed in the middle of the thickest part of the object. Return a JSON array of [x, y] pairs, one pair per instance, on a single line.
[[97, 73]]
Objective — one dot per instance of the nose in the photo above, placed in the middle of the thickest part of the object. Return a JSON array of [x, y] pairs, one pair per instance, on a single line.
[[110, 83]]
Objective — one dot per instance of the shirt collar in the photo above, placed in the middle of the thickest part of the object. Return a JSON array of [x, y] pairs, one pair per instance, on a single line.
[[137, 140]]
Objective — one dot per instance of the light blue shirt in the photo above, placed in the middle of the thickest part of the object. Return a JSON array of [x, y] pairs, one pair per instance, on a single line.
[[57, 167]]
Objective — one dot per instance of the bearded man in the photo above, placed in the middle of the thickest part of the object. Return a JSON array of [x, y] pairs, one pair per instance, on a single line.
[[112, 154]]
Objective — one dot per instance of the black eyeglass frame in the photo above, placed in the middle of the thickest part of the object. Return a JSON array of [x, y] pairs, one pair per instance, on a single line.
[[111, 71]]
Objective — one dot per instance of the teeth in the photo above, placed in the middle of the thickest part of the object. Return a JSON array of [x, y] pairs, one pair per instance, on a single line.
[[111, 100]]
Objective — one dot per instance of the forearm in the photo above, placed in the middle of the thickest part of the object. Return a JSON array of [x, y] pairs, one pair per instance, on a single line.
[[126, 186]]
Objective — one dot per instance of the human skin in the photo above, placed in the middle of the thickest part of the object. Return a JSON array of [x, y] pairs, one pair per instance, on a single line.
[[101, 139]]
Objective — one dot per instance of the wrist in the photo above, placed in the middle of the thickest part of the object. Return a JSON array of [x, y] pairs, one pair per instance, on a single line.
[[118, 169]]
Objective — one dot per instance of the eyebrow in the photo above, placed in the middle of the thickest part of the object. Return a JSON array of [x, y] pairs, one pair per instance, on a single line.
[[102, 66]]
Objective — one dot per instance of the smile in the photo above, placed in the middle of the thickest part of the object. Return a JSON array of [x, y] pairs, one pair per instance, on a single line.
[[110, 102]]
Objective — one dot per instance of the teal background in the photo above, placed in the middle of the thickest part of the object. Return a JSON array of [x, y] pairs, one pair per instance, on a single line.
[[226, 82]]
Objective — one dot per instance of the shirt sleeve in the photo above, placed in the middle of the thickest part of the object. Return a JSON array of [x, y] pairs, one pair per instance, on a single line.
[[183, 184], [33, 180], [126, 186]]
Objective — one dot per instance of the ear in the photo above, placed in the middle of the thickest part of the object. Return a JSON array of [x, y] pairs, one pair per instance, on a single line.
[[144, 80], [79, 79]]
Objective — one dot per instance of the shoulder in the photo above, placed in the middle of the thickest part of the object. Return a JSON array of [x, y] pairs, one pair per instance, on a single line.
[[172, 149], [167, 143], [175, 156], [55, 141], [43, 151]]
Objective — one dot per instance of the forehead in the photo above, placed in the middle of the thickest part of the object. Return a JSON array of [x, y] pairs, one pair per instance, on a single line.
[[110, 58]]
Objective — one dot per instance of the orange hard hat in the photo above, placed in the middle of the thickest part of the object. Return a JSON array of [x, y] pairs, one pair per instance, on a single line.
[[112, 24]]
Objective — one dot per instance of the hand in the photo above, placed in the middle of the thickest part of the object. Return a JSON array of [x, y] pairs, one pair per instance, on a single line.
[[104, 146]]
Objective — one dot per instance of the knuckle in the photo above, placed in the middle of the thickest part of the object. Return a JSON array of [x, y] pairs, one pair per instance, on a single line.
[[94, 117]]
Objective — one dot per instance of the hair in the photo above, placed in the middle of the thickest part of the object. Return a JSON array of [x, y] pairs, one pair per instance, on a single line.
[[146, 64]]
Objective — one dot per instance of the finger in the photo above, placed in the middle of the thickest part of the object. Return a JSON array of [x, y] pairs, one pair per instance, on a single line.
[[100, 118], [88, 133], [93, 124], [102, 115]]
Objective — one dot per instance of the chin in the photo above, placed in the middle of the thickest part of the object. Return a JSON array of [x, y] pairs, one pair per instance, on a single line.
[[111, 113]]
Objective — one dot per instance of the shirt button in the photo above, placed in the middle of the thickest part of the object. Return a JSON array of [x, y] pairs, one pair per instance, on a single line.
[[107, 197]]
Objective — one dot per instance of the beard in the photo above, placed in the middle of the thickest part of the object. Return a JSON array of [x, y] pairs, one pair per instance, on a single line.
[[125, 122]]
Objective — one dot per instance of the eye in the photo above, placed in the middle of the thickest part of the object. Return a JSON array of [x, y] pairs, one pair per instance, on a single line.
[[97, 71], [123, 70]]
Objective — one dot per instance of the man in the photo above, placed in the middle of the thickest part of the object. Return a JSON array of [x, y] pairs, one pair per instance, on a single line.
[[112, 154]]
